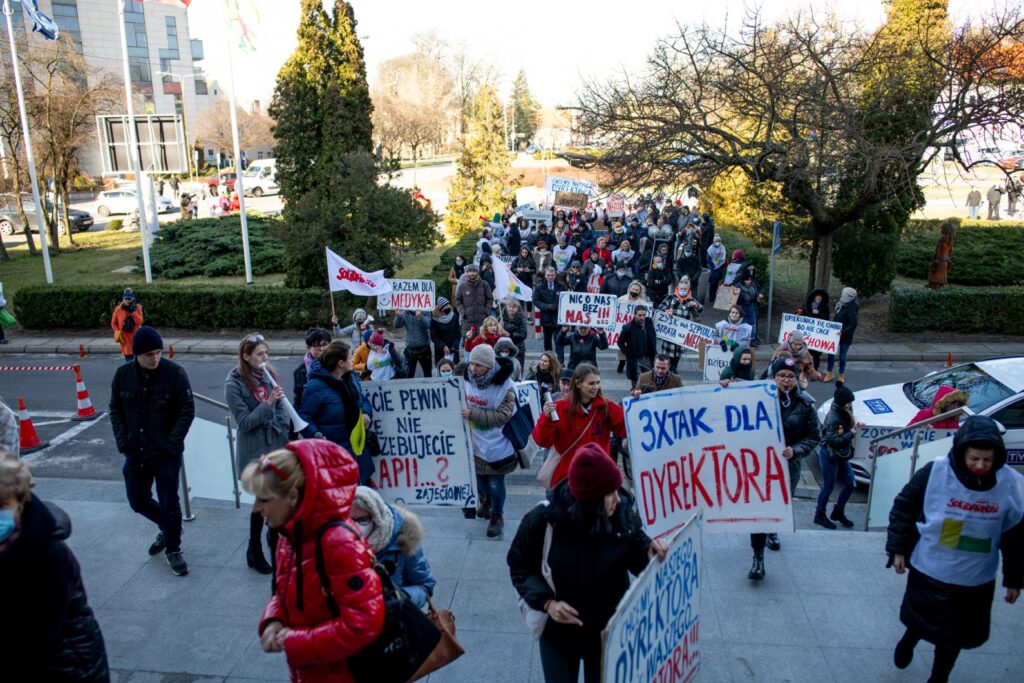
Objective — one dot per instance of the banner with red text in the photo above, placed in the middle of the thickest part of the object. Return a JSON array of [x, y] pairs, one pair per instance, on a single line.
[[713, 449], [583, 308], [408, 295], [682, 332], [820, 335]]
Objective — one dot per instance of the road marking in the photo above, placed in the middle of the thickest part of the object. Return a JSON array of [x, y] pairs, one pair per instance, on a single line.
[[50, 413], [51, 422], [64, 438]]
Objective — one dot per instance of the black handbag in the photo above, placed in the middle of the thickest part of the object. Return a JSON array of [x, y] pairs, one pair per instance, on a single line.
[[519, 429], [405, 642]]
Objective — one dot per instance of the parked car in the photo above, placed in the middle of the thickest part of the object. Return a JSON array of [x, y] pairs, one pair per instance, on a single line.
[[995, 387], [260, 178], [10, 219], [1012, 163], [122, 200]]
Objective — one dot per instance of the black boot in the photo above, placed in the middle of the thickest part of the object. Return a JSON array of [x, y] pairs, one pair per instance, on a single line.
[[821, 520], [773, 542], [904, 653], [622, 364], [255, 559], [839, 515], [756, 572]]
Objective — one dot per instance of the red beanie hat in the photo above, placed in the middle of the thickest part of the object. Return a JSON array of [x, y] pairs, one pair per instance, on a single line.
[[377, 339], [593, 474]]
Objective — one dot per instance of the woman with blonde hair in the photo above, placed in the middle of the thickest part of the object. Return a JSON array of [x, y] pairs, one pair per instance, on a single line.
[[490, 332]]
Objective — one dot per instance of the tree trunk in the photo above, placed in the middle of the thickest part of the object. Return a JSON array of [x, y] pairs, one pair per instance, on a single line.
[[812, 264], [4, 256], [29, 241], [824, 267]]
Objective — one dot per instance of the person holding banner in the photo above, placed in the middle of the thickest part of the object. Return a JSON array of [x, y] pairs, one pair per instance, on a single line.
[[801, 433], [596, 542], [847, 314], [583, 344], [796, 348], [741, 367], [733, 332], [583, 416], [949, 525], [545, 300], [681, 304], [816, 305]]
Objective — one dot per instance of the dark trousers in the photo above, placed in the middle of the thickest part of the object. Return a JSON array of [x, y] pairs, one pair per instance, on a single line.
[[165, 511], [945, 657], [550, 334], [758, 541], [421, 355], [439, 353], [633, 368], [561, 666]]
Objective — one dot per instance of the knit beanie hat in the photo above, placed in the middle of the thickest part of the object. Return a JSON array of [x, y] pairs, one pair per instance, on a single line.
[[146, 339], [796, 337], [849, 293], [127, 294], [781, 364], [843, 396], [442, 302], [482, 354], [737, 255], [380, 513], [366, 336], [593, 474], [377, 339]]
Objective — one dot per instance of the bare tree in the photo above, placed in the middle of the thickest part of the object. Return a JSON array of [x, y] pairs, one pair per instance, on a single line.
[[10, 130], [787, 104], [254, 130], [416, 95]]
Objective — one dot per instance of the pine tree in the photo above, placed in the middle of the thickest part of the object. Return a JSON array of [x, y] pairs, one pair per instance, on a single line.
[[525, 111], [328, 176], [478, 187]]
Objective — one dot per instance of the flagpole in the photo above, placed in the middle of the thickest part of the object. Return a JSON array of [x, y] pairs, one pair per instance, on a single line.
[[133, 153], [239, 188], [28, 150]]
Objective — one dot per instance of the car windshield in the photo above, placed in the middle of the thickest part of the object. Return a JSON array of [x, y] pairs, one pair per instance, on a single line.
[[982, 389]]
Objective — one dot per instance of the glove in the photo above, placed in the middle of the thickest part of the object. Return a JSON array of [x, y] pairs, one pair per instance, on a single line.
[[118, 336]]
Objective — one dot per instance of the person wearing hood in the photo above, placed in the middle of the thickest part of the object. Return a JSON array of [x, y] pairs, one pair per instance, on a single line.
[[317, 339], [584, 342], [491, 397], [254, 397], [506, 348], [795, 347], [353, 334], [740, 368], [837, 435], [816, 305], [383, 362], [49, 632], [948, 526], [659, 280], [417, 340], [333, 402], [318, 618], [946, 399], [596, 542], [395, 535], [362, 354], [126, 319], [848, 315], [445, 331], [680, 304], [716, 266]]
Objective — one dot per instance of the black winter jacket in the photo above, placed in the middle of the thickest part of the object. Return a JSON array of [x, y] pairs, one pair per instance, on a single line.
[[837, 432], [48, 632], [582, 349], [446, 334], [658, 284], [151, 411], [516, 327], [635, 342], [800, 426], [547, 302], [849, 316], [615, 285], [590, 567]]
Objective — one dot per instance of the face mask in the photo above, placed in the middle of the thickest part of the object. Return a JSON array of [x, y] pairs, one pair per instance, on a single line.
[[446, 373], [6, 524], [365, 528]]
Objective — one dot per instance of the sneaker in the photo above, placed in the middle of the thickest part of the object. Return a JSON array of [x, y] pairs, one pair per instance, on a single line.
[[821, 520], [178, 564], [773, 542], [495, 527], [158, 545]]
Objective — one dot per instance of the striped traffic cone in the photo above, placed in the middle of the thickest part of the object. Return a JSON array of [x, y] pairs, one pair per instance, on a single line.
[[537, 332], [30, 442], [170, 353], [81, 351], [85, 409]]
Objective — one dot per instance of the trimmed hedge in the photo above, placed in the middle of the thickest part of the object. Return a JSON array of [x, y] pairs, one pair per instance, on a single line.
[[933, 224], [996, 310], [439, 273], [200, 307], [982, 256], [213, 247]]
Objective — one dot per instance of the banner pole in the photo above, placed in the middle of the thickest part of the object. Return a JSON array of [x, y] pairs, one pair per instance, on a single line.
[[776, 245]]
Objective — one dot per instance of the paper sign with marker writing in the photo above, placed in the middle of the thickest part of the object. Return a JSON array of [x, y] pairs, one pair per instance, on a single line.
[[622, 316], [713, 449], [411, 295], [425, 444], [682, 332], [558, 184], [592, 310], [820, 335], [654, 635], [715, 360], [616, 205]]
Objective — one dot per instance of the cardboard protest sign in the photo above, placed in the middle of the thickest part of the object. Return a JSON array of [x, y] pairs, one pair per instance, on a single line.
[[412, 295], [623, 315], [558, 184], [820, 335], [571, 200], [682, 332], [705, 447], [725, 297], [616, 205], [425, 444], [714, 360], [592, 310], [654, 633]]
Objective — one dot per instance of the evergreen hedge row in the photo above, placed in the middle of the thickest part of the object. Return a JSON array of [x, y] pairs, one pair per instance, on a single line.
[[997, 310], [982, 256]]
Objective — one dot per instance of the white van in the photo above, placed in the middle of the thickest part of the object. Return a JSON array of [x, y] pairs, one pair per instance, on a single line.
[[260, 178]]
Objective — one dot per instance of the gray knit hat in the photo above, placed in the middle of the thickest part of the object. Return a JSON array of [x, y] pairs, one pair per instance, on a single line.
[[482, 355]]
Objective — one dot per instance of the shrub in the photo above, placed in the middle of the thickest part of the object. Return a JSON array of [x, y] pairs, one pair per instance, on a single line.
[[995, 310], [213, 247], [203, 307], [439, 273], [982, 256], [864, 257], [115, 224]]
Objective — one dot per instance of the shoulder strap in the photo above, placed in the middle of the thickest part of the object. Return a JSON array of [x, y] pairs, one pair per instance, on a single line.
[[586, 428], [321, 566]]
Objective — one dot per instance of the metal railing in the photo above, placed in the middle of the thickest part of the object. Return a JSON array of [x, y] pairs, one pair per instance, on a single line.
[[231, 449]]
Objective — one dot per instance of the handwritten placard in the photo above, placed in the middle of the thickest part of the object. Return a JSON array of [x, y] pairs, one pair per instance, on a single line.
[[682, 332], [408, 295], [820, 335], [715, 360], [592, 310], [616, 205], [559, 184], [622, 316], [571, 200]]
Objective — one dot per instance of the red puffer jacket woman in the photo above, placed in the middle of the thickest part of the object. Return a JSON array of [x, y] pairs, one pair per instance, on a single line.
[[318, 643], [572, 432]]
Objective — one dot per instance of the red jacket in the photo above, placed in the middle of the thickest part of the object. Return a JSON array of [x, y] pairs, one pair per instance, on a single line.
[[318, 644], [485, 338], [563, 433], [945, 396]]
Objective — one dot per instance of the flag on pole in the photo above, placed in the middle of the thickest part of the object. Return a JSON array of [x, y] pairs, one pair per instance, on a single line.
[[178, 3], [40, 22], [506, 284], [242, 16], [342, 276]]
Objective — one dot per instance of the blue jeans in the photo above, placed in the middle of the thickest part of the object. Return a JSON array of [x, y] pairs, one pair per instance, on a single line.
[[843, 350], [750, 318], [491, 488], [831, 471], [972, 212], [139, 478]]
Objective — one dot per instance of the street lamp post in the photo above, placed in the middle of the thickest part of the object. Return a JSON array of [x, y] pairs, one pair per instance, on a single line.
[[184, 114]]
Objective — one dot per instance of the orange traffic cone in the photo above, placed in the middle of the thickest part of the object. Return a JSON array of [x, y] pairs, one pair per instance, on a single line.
[[81, 351], [85, 409], [30, 442], [949, 360], [170, 351]]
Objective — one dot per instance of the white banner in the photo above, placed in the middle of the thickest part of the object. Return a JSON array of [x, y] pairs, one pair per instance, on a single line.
[[623, 315], [682, 332], [705, 447], [715, 360], [426, 457], [342, 276], [820, 335], [557, 184], [592, 310], [408, 295], [543, 215], [616, 205], [654, 633]]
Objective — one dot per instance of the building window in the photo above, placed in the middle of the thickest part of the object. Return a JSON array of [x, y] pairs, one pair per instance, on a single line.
[[65, 14], [201, 87], [172, 40], [138, 46]]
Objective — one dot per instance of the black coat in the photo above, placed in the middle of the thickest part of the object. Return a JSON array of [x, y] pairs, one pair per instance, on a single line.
[[637, 342], [48, 632], [615, 285], [582, 349], [824, 310], [446, 334], [513, 240], [299, 377], [836, 432], [590, 567], [658, 284], [547, 302], [849, 316], [151, 411], [939, 611], [800, 427]]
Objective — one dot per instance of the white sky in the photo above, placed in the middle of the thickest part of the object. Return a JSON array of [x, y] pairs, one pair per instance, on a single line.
[[557, 43]]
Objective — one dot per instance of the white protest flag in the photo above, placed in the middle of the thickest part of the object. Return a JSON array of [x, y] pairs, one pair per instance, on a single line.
[[506, 284], [342, 276]]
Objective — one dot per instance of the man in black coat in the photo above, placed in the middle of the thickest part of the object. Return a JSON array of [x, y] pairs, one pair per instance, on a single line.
[[545, 298], [151, 410], [637, 343]]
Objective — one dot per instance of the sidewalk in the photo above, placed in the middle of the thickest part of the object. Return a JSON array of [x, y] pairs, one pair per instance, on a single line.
[[827, 611]]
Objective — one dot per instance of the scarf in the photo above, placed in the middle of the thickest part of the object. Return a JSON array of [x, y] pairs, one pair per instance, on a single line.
[[259, 392], [307, 360], [445, 318], [660, 380], [482, 381]]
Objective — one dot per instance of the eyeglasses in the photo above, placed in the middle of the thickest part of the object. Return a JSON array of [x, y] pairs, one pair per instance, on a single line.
[[267, 464], [255, 338]]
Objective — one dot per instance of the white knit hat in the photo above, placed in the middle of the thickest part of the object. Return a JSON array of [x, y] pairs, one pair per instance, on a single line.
[[380, 513]]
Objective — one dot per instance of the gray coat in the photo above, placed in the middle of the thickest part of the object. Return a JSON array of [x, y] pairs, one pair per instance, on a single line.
[[262, 428]]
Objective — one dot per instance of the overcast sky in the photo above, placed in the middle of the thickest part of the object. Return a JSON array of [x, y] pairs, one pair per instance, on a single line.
[[557, 43]]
